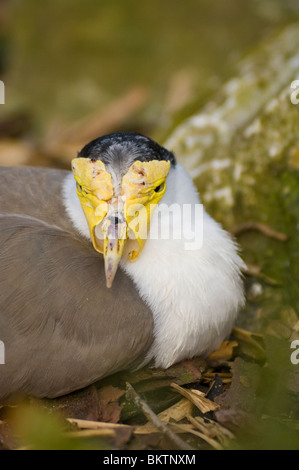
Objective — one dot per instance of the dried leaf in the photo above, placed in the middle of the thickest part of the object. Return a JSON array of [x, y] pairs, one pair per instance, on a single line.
[[91, 433], [211, 428], [87, 424], [278, 329], [83, 404], [120, 433], [188, 371], [197, 398], [225, 351], [151, 416], [250, 343], [209, 440], [110, 409], [149, 428], [176, 412], [109, 394], [289, 317]]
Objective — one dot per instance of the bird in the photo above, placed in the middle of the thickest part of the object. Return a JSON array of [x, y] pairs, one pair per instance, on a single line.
[[109, 266]]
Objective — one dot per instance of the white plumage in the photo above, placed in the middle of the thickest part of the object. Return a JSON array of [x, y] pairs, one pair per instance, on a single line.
[[194, 295]]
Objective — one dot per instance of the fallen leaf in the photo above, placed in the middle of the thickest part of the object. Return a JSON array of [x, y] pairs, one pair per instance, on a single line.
[[83, 404], [120, 433], [110, 409], [176, 412], [278, 329], [225, 351], [149, 428], [188, 371], [251, 344], [197, 398], [209, 440], [211, 428], [109, 394]]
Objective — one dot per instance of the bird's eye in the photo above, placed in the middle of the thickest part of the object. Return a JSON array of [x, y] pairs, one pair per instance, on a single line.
[[159, 188], [79, 187]]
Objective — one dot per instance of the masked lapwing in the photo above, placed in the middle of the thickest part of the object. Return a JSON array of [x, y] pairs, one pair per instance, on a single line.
[[108, 267]]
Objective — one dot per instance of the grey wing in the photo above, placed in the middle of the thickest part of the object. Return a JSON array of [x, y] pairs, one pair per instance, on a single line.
[[61, 327], [36, 192]]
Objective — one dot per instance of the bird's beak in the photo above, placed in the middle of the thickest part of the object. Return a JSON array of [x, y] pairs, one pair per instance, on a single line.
[[113, 220], [109, 238], [103, 212]]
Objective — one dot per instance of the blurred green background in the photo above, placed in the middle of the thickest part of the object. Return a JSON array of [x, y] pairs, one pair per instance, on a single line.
[[117, 66]]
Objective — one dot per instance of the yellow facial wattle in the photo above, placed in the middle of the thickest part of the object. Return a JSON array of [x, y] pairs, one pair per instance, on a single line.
[[94, 189], [116, 215], [143, 186]]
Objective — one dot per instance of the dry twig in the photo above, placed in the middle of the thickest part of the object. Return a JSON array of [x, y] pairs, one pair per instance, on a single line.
[[197, 398], [263, 228], [151, 416]]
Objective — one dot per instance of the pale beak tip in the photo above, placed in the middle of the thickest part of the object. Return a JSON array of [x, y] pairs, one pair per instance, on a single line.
[[113, 248], [111, 266]]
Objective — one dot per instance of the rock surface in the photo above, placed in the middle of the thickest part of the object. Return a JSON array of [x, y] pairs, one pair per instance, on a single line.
[[242, 150]]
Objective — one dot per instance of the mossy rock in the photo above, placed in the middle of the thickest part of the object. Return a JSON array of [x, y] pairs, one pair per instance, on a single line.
[[242, 151]]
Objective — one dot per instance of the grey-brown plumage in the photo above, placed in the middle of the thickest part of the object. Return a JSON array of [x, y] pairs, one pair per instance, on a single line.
[[61, 329]]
